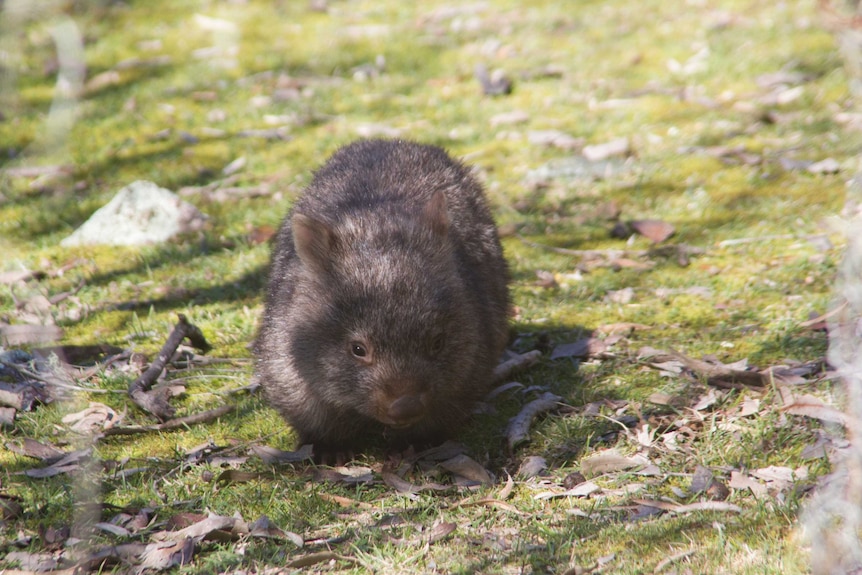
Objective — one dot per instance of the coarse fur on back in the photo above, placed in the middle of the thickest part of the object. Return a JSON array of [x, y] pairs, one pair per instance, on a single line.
[[386, 308]]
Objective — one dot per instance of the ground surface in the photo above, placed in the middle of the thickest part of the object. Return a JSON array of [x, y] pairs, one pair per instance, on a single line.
[[733, 124]]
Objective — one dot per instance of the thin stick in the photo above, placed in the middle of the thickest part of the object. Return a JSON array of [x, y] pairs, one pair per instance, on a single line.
[[175, 423], [591, 254], [672, 559], [680, 250], [156, 402], [751, 240]]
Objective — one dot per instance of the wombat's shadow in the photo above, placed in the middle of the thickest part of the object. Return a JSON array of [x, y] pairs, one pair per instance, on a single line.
[[563, 377]]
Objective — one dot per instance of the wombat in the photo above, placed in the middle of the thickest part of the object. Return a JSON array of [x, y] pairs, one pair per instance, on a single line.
[[386, 308]]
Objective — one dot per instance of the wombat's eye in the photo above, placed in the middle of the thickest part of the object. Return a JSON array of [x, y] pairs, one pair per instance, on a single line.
[[438, 343], [360, 351]]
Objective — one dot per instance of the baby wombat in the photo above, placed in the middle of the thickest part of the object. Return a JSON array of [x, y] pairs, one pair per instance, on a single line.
[[386, 310]]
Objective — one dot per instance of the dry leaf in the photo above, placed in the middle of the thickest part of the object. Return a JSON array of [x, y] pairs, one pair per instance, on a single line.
[[113, 529], [272, 455], [68, 463], [583, 348], [103, 80], [546, 279], [532, 466], [216, 527], [554, 138], [32, 562], [598, 152], [669, 368], [506, 492], [810, 406], [750, 406], [656, 231], [509, 118], [609, 461], [166, 554], [32, 448], [701, 480], [347, 475], [581, 490], [93, 419], [315, 558], [398, 484], [15, 335], [235, 166], [263, 527], [706, 401], [827, 166], [403, 486], [16, 276], [468, 468], [440, 530], [780, 474], [7, 416], [622, 296], [742, 481], [816, 450], [625, 263], [660, 398], [442, 452]]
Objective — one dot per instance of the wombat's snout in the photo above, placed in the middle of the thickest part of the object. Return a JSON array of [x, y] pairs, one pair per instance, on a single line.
[[401, 405], [406, 410]]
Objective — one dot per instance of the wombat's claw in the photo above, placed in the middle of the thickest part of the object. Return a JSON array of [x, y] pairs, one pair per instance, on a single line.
[[333, 457]]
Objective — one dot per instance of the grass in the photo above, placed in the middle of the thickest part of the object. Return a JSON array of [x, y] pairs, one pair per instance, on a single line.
[[679, 79]]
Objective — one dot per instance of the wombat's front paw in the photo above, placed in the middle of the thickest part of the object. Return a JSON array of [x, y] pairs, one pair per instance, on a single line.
[[331, 455]]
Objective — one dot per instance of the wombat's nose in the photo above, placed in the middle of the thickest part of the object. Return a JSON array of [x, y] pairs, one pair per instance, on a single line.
[[406, 409]]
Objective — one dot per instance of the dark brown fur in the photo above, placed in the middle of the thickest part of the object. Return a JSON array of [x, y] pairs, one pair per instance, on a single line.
[[387, 300]]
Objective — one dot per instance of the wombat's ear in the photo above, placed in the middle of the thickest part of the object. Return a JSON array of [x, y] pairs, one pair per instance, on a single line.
[[314, 241], [435, 213]]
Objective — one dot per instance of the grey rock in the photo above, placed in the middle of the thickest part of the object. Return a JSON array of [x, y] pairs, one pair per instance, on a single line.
[[141, 213]]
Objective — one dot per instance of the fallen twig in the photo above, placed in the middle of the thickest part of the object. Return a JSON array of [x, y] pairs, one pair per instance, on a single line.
[[519, 426], [681, 251], [156, 402], [587, 254], [720, 373], [672, 559], [175, 423], [35, 171], [823, 317], [700, 506], [755, 239], [507, 368]]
